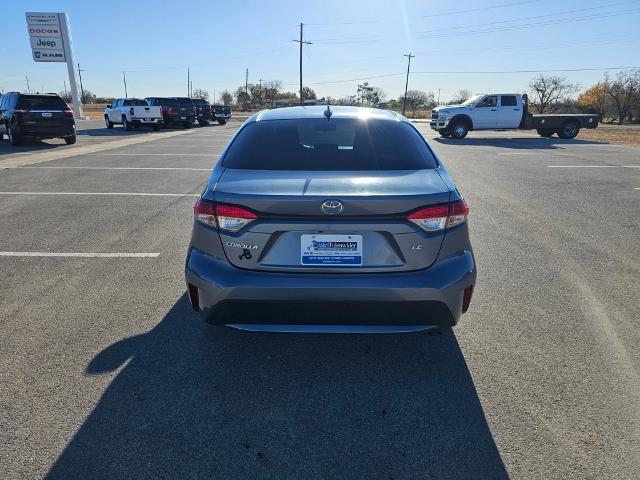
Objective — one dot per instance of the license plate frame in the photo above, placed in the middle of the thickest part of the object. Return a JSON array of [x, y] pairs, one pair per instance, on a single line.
[[330, 250]]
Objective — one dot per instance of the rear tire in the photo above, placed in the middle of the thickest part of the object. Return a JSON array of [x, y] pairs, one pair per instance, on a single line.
[[444, 133], [459, 130], [108, 122], [545, 132], [70, 140], [187, 125], [156, 128], [222, 121], [204, 123], [569, 130], [13, 138], [126, 124]]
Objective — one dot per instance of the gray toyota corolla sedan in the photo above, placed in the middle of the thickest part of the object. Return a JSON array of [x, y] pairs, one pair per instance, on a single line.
[[330, 219]]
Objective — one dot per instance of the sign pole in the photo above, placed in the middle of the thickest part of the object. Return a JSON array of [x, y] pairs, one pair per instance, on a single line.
[[68, 53]]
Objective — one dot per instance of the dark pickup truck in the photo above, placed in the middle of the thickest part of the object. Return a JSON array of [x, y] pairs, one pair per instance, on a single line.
[[175, 111], [221, 113], [204, 114], [505, 112]]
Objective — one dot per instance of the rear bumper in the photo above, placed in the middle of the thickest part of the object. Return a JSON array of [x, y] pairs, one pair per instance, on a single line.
[[150, 122], [234, 296], [42, 132]]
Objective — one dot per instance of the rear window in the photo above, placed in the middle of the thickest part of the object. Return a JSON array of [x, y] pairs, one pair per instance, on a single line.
[[41, 102], [335, 144], [185, 102], [135, 102], [167, 102]]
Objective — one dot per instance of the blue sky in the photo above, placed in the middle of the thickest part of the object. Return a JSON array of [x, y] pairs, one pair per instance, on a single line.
[[155, 42]]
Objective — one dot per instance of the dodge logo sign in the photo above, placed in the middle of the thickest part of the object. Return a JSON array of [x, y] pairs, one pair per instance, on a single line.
[[332, 207]]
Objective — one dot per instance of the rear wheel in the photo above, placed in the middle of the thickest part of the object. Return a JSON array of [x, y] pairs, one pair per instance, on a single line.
[[70, 139], [126, 124], [444, 132], [221, 121], [156, 128], [108, 122], [203, 122], [187, 125], [459, 129], [13, 138], [545, 132], [569, 130]]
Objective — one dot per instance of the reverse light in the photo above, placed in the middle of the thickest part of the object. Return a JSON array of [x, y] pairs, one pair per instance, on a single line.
[[131, 111], [225, 217], [233, 218], [440, 217]]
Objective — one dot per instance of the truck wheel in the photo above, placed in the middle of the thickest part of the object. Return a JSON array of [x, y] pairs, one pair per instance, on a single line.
[[108, 122], [221, 121], [545, 132], [156, 128], [444, 132], [204, 123], [569, 130], [188, 125], [70, 140], [459, 129], [13, 139], [126, 124]]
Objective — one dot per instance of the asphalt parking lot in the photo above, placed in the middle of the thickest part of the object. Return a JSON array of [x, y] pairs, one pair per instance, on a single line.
[[106, 372]]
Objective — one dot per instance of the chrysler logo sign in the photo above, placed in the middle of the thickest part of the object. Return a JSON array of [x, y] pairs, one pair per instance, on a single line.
[[332, 207]]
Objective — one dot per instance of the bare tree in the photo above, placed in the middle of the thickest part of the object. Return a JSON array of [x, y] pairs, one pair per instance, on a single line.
[[460, 96], [625, 92], [226, 97], [200, 93], [271, 89], [308, 93], [550, 91], [417, 99]]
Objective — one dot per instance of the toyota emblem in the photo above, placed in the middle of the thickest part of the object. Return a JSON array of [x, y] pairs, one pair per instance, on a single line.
[[332, 207]]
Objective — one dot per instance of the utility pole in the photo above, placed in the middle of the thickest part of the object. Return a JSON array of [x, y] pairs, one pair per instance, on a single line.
[[246, 89], [301, 42], [65, 87], [28, 87], [124, 78], [260, 92], [81, 89], [214, 97], [406, 85], [188, 82], [438, 97]]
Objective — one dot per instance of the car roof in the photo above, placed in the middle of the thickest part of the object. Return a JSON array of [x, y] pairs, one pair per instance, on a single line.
[[318, 111]]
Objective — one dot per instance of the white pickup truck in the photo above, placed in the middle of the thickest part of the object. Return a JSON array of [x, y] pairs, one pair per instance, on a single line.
[[505, 111], [133, 113]]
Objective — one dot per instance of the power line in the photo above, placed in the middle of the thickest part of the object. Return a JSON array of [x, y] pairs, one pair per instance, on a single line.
[[479, 9], [527, 18], [530, 25]]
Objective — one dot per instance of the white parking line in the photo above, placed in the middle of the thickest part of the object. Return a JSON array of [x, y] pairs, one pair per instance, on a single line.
[[79, 254], [121, 168], [593, 166], [126, 194], [150, 154]]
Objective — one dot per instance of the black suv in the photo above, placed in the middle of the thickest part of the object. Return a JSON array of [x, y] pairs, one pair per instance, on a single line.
[[203, 111], [175, 111], [39, 116]]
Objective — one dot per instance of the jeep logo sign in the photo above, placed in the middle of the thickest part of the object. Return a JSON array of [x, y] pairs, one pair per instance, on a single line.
[[45, 43]]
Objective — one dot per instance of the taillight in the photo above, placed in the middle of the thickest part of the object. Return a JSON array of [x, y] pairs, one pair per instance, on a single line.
[[225, 217], [169, 111], [68, 113], [233, 218], [21, 111], [440, 217], [131, 111]]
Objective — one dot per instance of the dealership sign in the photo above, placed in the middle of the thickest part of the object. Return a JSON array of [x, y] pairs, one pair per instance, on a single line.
[[45, 35]]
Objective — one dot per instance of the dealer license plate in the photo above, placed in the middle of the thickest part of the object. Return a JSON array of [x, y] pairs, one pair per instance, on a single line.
[[331, 250]]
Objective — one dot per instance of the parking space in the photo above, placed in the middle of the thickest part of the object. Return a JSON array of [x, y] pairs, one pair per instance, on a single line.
[[107, 371]]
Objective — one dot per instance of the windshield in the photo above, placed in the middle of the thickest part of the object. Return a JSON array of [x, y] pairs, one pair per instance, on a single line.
[[320, 144], [472, 100]]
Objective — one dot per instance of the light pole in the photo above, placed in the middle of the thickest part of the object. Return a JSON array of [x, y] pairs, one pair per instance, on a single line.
[[406, 85]]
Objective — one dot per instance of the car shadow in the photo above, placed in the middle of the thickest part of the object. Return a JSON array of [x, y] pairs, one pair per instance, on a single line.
[[196, 401], [517, 143]]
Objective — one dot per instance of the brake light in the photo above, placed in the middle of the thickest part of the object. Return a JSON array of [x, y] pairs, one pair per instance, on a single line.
[[21, 111], [169, 111], [131, 111], [69, 113], [440, 217], [225, 217]]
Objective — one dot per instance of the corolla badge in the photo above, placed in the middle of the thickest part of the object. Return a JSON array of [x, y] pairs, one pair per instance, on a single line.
[[332, 207]]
